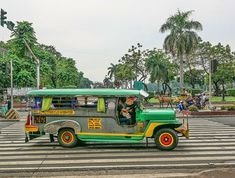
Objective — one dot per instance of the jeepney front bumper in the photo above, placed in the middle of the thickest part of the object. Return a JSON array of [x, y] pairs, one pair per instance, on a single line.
[[184, 129], [31, 132]]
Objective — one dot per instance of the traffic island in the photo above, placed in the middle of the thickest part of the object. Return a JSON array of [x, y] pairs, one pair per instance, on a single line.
[[11, 115]]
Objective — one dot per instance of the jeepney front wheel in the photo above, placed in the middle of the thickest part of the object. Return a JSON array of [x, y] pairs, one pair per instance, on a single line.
[[67, 138], [166, 139]]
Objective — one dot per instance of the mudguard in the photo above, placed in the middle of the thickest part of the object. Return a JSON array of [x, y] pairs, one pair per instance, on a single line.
[[55, 126]]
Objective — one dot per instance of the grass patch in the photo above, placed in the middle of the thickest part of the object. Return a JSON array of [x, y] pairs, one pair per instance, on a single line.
[[153, 101], [219, 99]]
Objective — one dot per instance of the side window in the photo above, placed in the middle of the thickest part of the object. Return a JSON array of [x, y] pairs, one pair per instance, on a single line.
[[37, 103], [96, 106], [64, 103]]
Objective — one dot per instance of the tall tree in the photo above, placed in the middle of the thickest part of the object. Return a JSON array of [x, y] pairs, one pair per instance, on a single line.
[[159, 67], [23, 31], [135, 60], [182, 39], [55, 70], [112, 71]]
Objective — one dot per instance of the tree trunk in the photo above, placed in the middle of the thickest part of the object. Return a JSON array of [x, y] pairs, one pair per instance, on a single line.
[[223, 92], [164, 88], [192, 77], [181, 74], [166, 85], [158, 87], [192, 83], [217, 90]]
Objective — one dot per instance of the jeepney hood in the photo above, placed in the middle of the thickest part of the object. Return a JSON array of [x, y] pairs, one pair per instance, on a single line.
[[158, 114]]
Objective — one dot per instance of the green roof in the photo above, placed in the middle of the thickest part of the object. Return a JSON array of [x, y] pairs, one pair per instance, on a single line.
[[94, 92]]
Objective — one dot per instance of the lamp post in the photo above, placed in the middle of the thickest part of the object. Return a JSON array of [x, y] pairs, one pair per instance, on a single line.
[[37, 63]]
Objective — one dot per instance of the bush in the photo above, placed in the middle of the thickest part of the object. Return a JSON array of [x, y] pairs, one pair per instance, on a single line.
[[228, 107], [193, 108], [151, 94], [70, 87], [231, 91], [195, 91], [231, 108], [223, 108]]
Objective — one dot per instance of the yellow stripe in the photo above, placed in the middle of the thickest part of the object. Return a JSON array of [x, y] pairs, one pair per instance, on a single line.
[[151, 128], [110, 134], [11, 114], [31, 129]]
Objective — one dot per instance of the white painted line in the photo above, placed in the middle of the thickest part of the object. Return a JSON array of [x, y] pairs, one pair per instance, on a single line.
[[118, 160]]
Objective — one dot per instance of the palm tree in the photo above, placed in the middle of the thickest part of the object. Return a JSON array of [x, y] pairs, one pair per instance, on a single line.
[[182, 39], [112, 71], [156, 67]]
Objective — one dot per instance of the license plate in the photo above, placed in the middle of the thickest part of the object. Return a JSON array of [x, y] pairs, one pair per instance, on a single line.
[[40, 120]]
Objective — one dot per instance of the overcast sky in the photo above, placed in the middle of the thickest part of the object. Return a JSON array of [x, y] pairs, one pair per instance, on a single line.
[[99, 32]]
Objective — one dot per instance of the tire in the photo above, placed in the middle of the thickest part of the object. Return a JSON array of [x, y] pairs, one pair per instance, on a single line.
[[166, 139], [67, 138]]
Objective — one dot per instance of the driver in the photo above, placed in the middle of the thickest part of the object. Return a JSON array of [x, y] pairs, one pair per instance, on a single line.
[[130, 109]]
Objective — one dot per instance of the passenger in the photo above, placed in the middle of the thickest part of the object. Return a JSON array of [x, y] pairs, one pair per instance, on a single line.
[[123, 115]]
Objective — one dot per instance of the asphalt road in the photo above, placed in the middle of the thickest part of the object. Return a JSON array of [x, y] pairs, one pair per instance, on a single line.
[[211, 148], [225, 120]]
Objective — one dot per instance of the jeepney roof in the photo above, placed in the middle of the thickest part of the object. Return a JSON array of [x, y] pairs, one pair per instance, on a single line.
[[88, 92]]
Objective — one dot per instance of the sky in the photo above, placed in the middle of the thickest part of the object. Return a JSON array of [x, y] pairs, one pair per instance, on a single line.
[[96, 33]]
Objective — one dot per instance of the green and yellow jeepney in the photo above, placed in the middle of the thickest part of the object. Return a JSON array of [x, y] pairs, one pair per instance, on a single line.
[[91, 115]]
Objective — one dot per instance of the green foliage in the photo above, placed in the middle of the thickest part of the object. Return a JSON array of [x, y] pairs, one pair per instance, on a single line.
[[153, 101], [23, 31], [228, 107], [131, 66], [225, 64], [231, 91], [56, 71], [195, 91], [219, 99], [194, 76], [193, 108], [183, 39], [124, 72], [156, 65]]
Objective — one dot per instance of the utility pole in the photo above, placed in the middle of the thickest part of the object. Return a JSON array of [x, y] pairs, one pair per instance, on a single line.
[[12, 102], [37, 63], [210, 71]]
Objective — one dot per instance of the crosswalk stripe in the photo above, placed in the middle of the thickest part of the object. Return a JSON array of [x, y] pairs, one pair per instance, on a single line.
[[117, 160], [56, 156], [210, 144]]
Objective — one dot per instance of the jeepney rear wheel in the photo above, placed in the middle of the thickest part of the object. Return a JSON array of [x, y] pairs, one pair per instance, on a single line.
[[166, 139], [67, 138]]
